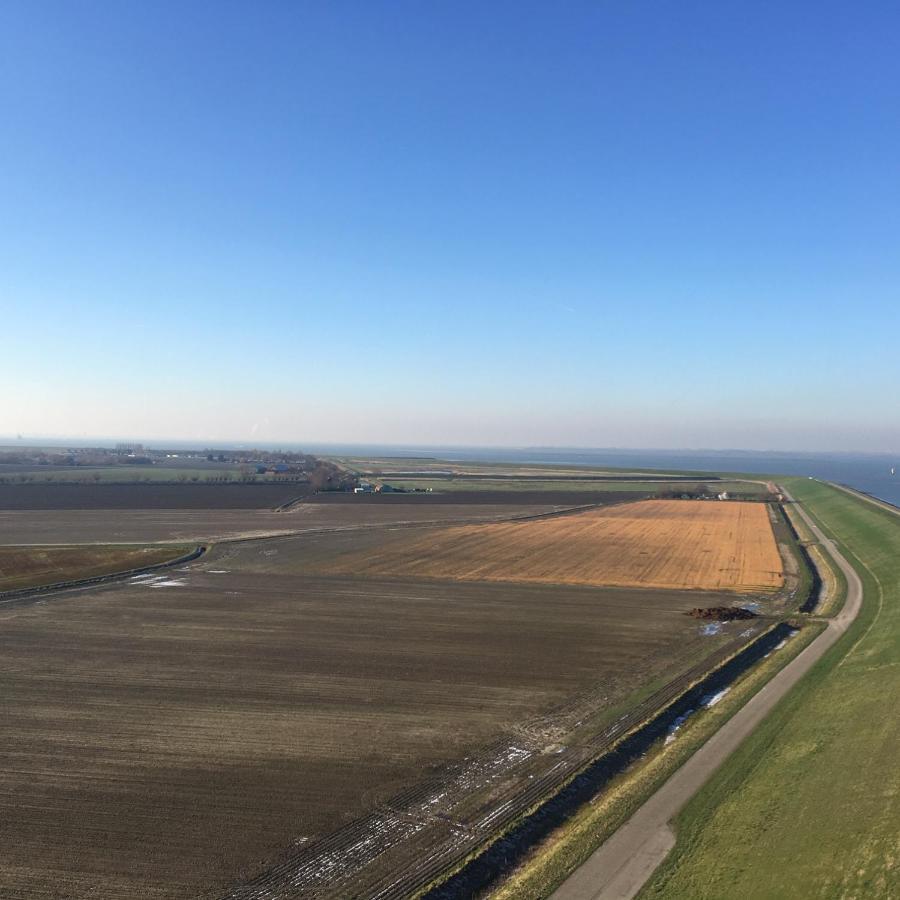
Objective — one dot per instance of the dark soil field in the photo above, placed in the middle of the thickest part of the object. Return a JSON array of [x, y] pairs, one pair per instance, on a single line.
[[68, 526], [166, 737], [22, 567], [149, 496]]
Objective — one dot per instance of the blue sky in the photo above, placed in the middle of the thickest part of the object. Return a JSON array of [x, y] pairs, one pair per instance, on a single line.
[[596, 224]]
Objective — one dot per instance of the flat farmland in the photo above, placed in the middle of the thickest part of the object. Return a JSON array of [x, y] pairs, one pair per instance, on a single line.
[[30, 566], [479, 494], [67, 526], [165, 743], [149, 496], [596, 488], [682, 544]]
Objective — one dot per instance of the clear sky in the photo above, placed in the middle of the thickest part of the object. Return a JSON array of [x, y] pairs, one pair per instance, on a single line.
[[580, 223]]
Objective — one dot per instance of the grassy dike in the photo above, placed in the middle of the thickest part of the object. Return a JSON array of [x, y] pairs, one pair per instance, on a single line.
[[809, 806]]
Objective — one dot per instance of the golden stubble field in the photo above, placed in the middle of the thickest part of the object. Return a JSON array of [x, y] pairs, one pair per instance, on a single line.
[[682, 544]]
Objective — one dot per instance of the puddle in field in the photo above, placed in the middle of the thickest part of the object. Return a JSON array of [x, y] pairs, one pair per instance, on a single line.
[[157, 581]]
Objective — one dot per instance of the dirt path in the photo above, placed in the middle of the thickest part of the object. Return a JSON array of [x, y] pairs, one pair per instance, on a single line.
[[622, 865]]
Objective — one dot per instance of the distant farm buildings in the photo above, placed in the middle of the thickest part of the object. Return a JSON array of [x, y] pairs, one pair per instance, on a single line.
[[277, 469]]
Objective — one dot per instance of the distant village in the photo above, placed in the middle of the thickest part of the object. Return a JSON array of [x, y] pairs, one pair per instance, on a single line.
[[83, 464]]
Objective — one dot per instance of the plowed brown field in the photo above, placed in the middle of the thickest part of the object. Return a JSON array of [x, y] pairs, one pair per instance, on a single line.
[[653, 543], [161, 739]]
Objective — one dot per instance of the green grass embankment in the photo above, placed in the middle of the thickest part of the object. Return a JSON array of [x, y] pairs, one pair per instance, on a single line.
[[809, 806]]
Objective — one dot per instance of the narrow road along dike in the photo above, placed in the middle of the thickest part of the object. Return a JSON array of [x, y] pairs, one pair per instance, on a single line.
[[621, 866]]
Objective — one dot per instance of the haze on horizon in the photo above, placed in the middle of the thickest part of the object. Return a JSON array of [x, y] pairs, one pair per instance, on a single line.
[[451, 224]]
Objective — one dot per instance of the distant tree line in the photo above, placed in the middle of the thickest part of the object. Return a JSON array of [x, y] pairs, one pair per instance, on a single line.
[[686, 492]]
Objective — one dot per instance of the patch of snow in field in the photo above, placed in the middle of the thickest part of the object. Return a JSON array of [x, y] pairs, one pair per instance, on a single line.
[[218, 571], [386, 828], [145, 577], [748, 632], [168, 582], [512, 754], [712, 628]]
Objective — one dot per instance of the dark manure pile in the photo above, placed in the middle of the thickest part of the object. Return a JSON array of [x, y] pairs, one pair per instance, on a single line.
[[722, 613]]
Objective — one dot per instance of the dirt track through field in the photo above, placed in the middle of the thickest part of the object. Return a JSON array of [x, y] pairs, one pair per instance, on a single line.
[[696, 545]]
